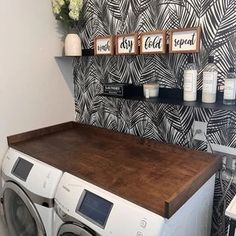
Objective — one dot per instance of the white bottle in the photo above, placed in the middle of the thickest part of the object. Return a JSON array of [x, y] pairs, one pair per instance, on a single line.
[[230, 88], [190, 81], [209, 87]]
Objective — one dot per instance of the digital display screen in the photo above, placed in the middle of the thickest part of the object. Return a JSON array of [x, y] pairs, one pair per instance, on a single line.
[[22, 169], [94, 208]]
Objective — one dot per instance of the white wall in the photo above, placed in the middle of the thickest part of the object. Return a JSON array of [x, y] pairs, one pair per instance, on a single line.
[[33, 91]]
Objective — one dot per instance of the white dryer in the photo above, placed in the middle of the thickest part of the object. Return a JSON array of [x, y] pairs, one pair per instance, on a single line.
[[28, 190], [83, 209]]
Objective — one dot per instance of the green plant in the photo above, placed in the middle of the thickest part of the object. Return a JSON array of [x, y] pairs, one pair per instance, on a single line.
[[67, 11]]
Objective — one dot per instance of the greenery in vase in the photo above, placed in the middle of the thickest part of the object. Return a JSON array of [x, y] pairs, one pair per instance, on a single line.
[[67, 11]]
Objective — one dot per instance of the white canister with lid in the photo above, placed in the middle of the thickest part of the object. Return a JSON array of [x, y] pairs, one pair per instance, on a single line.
[[151, 90]]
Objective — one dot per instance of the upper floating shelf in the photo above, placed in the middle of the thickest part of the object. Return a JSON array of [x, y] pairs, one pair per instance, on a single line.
[[85, 52]]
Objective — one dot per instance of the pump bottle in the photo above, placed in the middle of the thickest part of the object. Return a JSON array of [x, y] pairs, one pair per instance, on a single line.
[[190, 81], [209, 87], [230, 87]]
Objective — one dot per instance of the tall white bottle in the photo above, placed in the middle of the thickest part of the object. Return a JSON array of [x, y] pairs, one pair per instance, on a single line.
[[230, 87], [209, 87], [190, 81]]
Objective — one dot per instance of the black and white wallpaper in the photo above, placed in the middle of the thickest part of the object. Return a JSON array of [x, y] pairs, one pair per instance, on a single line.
[[163, 122]]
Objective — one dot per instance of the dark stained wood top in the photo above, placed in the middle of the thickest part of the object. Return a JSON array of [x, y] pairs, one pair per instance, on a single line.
[[159, 177]]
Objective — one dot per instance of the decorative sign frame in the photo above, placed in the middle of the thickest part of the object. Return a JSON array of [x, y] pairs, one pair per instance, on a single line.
[[104, 45], [153, 42], [185, 40], [127, 44]]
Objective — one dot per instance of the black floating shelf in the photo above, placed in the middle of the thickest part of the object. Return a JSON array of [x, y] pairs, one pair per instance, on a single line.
[[175, 97], [87, 52], [90, 52]]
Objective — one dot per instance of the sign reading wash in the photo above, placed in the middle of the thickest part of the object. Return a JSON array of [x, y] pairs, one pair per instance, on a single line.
[[127, 44], [153, 42], [185, 40], [104, 45]]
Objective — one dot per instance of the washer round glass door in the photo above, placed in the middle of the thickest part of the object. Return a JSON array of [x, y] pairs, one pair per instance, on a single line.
[[70, 229], [21, 216]]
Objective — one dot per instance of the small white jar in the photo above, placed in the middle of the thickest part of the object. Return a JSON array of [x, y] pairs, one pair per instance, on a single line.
[[151, 90]]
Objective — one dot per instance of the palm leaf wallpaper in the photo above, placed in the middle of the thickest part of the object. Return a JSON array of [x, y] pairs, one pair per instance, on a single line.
[[162, 122]]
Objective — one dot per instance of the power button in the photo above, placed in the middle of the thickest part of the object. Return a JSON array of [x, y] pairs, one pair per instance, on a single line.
[[143, 223]]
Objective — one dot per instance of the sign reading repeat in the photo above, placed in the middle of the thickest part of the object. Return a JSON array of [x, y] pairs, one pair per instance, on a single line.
[[185, 40]]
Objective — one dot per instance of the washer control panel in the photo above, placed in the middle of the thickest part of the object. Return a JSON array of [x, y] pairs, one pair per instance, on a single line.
[[36, 176]]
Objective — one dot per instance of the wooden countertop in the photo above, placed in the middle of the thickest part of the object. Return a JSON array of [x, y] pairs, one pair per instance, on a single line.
[[159, 177]]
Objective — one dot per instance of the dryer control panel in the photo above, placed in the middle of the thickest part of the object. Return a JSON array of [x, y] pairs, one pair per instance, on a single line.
[[94, 208], [104, 212]]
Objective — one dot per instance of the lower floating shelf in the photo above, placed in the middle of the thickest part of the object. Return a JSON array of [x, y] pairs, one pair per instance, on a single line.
[[175, 97]]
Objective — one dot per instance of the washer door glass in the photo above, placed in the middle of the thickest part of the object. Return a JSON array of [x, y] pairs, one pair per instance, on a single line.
[[21, 216], [68, 229]]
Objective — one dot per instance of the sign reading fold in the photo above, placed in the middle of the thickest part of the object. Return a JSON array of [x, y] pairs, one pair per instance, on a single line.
[[153, 42]]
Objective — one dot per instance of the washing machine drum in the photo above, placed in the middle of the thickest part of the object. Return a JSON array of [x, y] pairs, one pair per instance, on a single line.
[[73, 229], [21, 216]]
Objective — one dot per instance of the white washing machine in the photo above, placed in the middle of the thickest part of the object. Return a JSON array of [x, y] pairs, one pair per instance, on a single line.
[[83, 209], [231, 213], [28, 190]]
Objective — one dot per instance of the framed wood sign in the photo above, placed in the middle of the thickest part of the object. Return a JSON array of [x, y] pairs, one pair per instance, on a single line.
[[185, 40], [153, 42], [104, 45], [127, 44]]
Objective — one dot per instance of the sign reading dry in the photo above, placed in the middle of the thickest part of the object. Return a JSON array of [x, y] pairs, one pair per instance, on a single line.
[[153, 42], [185, 40], [104, 45], [127, 44]]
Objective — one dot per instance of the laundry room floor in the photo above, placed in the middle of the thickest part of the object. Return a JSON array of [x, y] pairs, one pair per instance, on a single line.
[[3, 230], [3, 227]]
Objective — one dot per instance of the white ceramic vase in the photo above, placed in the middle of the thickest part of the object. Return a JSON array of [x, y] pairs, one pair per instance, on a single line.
[[73, 45]]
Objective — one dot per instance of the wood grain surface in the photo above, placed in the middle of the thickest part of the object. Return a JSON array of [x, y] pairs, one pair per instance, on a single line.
[[159, 177]]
